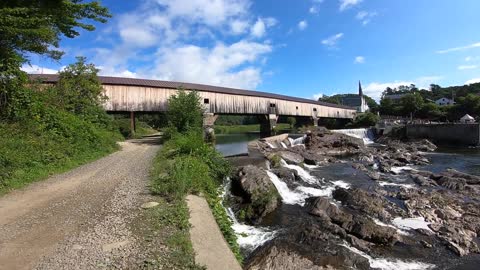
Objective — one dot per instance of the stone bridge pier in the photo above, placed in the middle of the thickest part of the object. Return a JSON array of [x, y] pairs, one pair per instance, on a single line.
[[268, 123], [208, 126]]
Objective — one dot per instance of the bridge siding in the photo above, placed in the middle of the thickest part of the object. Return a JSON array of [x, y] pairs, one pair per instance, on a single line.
[[138, 98]]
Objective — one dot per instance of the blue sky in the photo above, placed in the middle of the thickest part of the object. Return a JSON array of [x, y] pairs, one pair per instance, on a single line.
[[302, 48]]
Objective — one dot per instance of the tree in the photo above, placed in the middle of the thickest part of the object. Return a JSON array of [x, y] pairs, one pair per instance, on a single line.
[[367, 119], [184, 111], [35, 26], [386, 106], [291, 121], [78, 89], [411, 103]]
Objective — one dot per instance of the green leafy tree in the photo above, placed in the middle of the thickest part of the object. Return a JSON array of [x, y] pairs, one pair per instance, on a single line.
[[367, 119], [185, 111], [411, 103], [36, 26], [78, 89], [387, 107], [291, 121]]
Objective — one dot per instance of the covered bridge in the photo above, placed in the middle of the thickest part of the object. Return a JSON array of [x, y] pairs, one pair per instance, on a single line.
[[140, 95]]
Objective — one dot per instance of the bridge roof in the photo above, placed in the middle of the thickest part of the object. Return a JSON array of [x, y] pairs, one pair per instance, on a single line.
[[53, 78]]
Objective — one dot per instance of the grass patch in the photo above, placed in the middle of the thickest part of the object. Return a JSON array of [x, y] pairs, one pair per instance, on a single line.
[[187, 165]]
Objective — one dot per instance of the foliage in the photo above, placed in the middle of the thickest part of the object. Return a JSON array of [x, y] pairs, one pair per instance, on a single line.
[[291, 121], [364, 120], [189, 165], [185, 111], [141, 128], [35, 26], [237, 129], [42, 136], [230, 120], [420, 102]]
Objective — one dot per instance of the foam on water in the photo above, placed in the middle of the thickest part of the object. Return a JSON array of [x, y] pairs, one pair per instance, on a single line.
[[390, 264], [400, 231], [307, 177], [398, 170], [411, 223], [249, 237], [283, 145], [271, 145], [382, 183], [297, 141], [300, 194]]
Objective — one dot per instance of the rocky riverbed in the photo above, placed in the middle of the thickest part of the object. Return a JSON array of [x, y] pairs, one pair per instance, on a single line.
[[328, 201]]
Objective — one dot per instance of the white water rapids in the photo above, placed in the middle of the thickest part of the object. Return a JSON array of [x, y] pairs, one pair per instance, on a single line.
[[366, 134]]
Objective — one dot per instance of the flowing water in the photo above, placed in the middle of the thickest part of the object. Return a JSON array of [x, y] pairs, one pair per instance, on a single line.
[[366, 134], [322, 181]]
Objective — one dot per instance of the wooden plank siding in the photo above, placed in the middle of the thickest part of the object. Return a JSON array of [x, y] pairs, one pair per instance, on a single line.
[[139, 98]]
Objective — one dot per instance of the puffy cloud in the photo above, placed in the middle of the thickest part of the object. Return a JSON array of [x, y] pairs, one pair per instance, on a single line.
[[332, 41], [314, 10], [302, 25], [345, 4], [375, 89], [259, 28], [217, 66], [359, 60], [34, 69], [317, 96], [461, 48], [472, 81], [239, 26]]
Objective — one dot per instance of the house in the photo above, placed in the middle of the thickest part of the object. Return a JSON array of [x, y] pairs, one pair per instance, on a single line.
[[395, 98], [466, 119], [356, 101], [444, 101]]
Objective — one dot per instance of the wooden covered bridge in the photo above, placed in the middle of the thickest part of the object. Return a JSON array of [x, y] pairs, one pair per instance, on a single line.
[[140, 95]]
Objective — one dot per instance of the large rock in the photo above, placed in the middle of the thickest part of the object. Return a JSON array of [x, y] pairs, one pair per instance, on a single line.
[[289, 176], [256, 195], [357, 225], [291, 157]]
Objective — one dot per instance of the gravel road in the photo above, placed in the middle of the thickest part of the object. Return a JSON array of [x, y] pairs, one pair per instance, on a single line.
[[80, 219]]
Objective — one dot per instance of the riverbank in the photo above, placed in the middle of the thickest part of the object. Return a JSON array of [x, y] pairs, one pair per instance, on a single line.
[[240, 129], [341, 204]]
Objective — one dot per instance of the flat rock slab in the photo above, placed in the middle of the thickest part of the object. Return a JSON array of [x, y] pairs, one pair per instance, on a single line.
[[149, 205], [211, 249]]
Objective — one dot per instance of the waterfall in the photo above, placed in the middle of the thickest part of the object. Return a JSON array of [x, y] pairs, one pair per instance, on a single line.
[[271, 145], [248, 237], [297, 141], [307, 177], [366, 134]]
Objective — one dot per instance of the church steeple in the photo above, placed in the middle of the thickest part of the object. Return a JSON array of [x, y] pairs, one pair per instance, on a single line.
[[360, 91]]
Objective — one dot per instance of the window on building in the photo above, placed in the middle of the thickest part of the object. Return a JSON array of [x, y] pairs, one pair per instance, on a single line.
[[314, 109], [206, 101]]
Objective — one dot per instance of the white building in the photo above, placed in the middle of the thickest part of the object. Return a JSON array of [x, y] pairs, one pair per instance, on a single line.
[[444, 101], [467, 119]]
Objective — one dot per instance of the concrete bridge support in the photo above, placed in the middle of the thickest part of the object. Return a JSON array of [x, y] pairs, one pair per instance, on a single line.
[[208, 126], [315, 121], [268, 123], [133, 127]]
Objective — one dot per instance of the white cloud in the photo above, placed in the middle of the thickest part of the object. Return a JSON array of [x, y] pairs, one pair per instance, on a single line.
[[467, 67], [472, 81], [359, 60], [178, 31], [239, 26], [259, 28], [34, 69], [302, 25], [345, 4], [314, 10], [333, 40], [365, 17], [375, 89], [216, 66], [317, 96], [461, 48], [468, 59]]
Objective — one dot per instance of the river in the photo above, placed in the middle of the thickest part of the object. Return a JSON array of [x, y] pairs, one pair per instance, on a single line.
[[341, 174]]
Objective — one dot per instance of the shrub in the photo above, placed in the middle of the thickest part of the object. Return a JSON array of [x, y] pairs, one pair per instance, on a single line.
[[185, 111]]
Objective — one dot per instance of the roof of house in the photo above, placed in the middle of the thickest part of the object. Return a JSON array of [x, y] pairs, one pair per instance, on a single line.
[[53, 78], [467, 117]]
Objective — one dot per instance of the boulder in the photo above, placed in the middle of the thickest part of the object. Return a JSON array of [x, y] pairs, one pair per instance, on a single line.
[[257, 196], [291, 157], [288, 176]]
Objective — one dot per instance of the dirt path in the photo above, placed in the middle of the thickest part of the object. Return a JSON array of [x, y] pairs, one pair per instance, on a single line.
[[80, 219], [211, 249]]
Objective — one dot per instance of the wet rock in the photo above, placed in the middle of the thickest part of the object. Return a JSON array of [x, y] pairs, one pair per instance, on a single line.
[[256, 193], [289, 176], [291, 157], [357, 225], [426, 244], [452, 182]]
